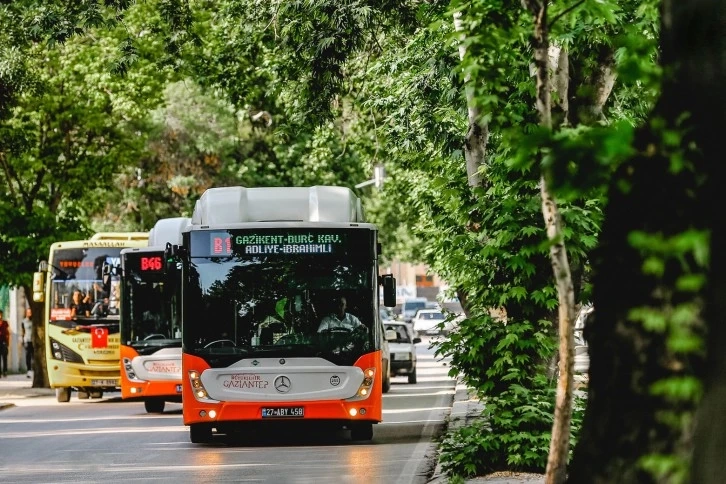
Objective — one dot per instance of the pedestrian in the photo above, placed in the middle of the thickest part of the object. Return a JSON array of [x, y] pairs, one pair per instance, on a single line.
[[27, 334], [4, 344]]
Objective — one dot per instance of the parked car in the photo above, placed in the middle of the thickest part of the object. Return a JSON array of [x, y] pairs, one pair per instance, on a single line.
[[411, 305], [386, 357], [403, 349], [426, 322]]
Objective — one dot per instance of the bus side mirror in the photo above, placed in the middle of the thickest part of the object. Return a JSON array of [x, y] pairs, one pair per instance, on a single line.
[[106, 277], [107, 271], [39, 286], [389, 290], [172, 255]]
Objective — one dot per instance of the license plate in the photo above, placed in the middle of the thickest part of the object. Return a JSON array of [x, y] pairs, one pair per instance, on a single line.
[[178, 388], [104, 383], [283, 412]]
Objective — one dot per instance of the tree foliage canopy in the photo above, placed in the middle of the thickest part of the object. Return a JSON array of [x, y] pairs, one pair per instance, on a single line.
[[114, 114]]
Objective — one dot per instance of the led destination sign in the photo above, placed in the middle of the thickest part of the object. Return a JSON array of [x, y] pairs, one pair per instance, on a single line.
[[225, 243], [282, 242], [145, 263], [151, 264]]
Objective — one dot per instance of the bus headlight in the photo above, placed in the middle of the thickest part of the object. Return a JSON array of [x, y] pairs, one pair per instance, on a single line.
[[366, 386], [63, 353], [200, 393], [130, 373]]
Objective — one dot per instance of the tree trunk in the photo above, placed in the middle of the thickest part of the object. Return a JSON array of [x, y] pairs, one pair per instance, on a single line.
[[561, 87], [477, 135], [703, 81], [592, 86], [475, 143], [626, 422], [556, 471], [40, 373]]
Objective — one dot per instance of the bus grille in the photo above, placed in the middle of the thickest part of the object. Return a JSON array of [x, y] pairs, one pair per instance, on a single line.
[[104, 374]]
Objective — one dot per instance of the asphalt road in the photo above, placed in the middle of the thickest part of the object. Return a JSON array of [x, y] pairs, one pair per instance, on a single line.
[[108, 440]]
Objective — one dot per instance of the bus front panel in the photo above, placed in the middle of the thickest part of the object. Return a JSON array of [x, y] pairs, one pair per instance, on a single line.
[[82, 315]]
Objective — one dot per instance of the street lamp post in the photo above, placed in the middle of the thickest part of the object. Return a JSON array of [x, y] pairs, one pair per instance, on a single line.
[[379, 173]]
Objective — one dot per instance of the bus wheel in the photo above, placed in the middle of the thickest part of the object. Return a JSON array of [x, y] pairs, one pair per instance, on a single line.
[[154, 405], [200, 433], [361, 431], [63, 394], [82, 394], [96, 393]]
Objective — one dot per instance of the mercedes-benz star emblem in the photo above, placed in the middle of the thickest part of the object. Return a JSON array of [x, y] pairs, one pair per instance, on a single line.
[[282, 384]]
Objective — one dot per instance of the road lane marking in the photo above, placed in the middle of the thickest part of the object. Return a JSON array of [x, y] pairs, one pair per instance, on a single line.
[[86, 419], [409, 410], [399, 395], [108, 430]]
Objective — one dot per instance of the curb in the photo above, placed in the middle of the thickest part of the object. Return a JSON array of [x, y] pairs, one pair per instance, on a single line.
[[465, 406], [17, 387]]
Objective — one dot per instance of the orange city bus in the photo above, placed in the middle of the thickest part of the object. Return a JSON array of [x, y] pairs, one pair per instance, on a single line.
[[82, 347], [150, 328], [259, 269]]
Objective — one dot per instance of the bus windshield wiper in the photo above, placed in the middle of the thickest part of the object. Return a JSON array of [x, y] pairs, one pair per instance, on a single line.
[[66, 275]]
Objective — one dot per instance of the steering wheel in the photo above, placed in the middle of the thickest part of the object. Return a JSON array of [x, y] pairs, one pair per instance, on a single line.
[[287, 339], [221, 343], [336, 329], [155, 336]]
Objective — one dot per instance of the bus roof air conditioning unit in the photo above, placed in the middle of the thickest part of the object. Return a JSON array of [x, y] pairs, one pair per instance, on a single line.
[[168, 230], [225, 205]]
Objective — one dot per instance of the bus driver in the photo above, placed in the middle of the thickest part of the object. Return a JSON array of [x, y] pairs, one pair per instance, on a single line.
[[340, 319]]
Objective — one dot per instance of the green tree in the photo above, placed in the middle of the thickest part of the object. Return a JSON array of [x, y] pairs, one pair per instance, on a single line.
[[658, 279], [67, 123], [399, 76]]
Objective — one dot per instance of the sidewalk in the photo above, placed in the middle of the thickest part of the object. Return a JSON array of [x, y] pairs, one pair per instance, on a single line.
[[465, 409], [17, 386]]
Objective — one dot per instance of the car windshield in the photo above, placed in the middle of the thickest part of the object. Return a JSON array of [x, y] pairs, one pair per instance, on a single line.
[[401, 333], [431, 316], [414, 305]]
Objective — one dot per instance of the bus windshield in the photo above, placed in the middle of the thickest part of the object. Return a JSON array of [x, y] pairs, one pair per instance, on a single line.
[[148, 316], [269, 306], [77, 292]]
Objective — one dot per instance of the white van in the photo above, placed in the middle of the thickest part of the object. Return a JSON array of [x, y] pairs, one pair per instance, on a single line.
[[411, 305]]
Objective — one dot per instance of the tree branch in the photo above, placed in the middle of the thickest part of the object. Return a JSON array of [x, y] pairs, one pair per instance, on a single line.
[[563, 13], [9, 174]]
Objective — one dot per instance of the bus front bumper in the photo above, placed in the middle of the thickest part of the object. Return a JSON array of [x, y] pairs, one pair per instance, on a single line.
[[67, 375], [246, 412]]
